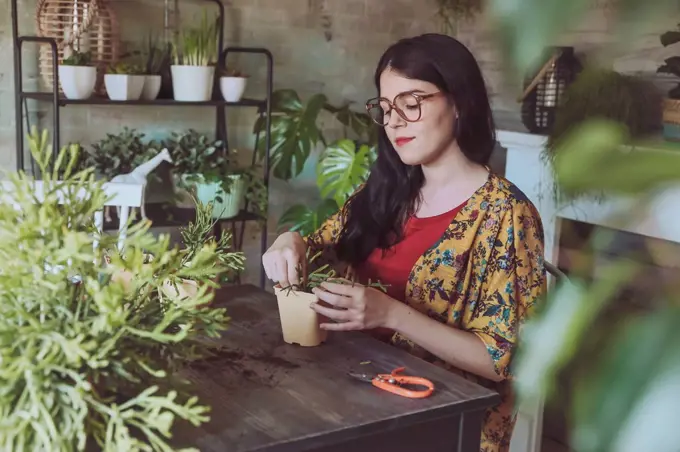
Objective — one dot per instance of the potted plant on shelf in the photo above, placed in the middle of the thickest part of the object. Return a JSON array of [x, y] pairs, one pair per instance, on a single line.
[[203, 166], [157, 60], [233, 84], [671, 101], [299, 322], [77, 75], [194, 54], [124, 81], [108, 368], [119, 153]]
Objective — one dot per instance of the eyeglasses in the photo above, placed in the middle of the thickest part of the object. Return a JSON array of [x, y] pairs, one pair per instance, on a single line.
[[407, 105]]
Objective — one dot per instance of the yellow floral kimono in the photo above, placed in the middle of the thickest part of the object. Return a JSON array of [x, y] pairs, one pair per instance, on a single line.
[[483, 276]]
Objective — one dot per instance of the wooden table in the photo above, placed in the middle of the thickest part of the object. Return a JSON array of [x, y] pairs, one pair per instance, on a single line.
[[269, 396]]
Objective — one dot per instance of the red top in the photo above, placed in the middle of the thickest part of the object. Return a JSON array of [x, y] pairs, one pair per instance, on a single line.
[[394, 267]]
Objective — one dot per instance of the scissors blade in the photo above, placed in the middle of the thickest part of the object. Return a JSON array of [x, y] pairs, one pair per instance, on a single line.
[[368, 378]]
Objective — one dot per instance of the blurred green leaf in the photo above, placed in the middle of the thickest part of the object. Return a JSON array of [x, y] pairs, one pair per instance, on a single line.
[[526, 27], [552, 338], [342, 168], [609, 400], [305, 219], [594, 157]]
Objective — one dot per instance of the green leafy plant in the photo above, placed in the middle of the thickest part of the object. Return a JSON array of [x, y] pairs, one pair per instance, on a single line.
[[156, 57], [295, 132], [343, 167], [601, 93], [125, 69], [89, 362], [197, 46], [78, 58], [119, 153], [198, 233], [305, 219], [624, 397]]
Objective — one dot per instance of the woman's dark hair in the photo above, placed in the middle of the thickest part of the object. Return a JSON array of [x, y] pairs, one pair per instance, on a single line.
[[375, 214]]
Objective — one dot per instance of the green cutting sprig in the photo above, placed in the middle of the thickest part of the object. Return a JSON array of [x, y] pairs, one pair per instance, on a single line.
[[323, 273]]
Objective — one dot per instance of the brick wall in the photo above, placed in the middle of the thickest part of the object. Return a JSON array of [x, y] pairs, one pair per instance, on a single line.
[[304, 60]]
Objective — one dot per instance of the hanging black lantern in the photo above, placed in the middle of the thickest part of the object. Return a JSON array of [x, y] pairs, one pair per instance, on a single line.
[[543, 91]]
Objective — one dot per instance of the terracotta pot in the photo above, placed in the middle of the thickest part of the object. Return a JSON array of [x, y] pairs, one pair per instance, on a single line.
[[299, 322]]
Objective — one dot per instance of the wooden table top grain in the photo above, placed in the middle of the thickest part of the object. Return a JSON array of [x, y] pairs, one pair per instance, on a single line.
[[266, 395]]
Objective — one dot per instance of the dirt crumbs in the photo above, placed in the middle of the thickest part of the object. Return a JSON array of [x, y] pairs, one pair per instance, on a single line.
[[235, 366]]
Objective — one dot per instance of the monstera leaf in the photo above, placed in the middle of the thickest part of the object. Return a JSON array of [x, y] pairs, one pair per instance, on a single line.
[[360, 123], [342, 168], [294, 132], [306, 220]]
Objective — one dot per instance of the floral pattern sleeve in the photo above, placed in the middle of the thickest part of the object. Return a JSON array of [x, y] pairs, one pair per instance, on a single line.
[[323, 241], [511, 285]]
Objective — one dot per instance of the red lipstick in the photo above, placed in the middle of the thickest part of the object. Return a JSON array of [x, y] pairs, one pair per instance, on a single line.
[[403, 140]]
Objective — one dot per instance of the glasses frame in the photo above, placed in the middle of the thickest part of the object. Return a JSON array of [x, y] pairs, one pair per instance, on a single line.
[[392, 106]]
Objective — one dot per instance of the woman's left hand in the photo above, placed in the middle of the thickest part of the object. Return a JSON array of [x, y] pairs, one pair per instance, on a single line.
[[355, 307]]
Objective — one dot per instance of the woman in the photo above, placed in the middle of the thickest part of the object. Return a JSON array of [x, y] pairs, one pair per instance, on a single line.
[[460, 248]]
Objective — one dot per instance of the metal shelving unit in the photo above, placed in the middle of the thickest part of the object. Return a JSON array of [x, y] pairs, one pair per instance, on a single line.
[[167, 215]]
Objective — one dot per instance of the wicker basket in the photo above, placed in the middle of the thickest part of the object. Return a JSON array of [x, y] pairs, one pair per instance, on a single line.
[[82, 25]]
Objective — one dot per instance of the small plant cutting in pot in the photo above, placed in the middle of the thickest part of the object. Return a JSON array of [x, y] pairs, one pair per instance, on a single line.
[[194, 56], [77, 75], [124, 81], [88, 364], [194, 237], [299, 322], [204, 167], [157, 59], [233, 84]]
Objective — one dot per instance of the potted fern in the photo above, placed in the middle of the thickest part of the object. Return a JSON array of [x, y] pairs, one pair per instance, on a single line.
[[194, 54], [88, 365], [77, 75]]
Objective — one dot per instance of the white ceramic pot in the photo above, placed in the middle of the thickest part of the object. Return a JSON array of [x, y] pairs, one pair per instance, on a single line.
[[232, 88], [77, 82], [152, 86], [192, 83], [124, 86]]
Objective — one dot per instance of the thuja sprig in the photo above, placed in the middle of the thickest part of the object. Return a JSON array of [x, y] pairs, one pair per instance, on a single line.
[[323, 273]]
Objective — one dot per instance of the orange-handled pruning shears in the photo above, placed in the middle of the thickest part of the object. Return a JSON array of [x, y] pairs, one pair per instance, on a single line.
[[395, 383]]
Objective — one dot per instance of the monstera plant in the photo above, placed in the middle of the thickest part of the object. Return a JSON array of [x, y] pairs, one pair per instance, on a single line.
[[295, 132], [343, 165]]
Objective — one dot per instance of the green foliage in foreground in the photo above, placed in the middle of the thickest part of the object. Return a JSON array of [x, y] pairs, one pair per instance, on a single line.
[[88, 360], [624, 366]]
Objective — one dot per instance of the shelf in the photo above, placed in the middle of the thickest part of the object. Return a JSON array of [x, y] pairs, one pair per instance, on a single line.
[[97, 100], [163, 215]]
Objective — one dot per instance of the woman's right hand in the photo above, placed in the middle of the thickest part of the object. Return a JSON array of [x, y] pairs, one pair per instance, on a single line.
[[281, 260]]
